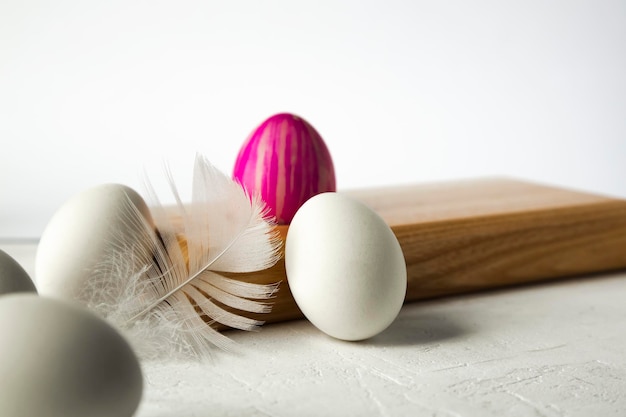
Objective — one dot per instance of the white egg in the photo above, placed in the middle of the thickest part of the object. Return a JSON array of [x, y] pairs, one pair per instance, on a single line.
[[345, 267], [13, 278], [80, 234], [60, 360]]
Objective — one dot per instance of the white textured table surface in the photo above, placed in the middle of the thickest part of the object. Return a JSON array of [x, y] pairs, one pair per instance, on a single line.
[[556, 349]]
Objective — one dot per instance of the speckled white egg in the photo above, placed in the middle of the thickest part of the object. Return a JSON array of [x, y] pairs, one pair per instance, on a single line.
[[345, 267], [79, 234], [13, 278], [60, 360]]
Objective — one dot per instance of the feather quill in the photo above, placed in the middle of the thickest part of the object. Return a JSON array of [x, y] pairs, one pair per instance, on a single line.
[[164, 289]]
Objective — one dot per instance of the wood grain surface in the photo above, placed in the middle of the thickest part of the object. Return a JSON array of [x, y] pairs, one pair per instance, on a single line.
[[475, 235]]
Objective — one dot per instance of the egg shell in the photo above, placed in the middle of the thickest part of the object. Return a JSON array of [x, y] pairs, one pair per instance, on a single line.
[[345, 267], [79, 234], [285, 161], [13, 278], [60, 360]]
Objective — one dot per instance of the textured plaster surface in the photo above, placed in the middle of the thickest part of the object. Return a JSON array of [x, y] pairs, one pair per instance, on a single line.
[[556, 349]]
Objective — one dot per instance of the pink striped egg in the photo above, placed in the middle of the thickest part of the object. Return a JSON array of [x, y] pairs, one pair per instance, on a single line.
[[285, 162]]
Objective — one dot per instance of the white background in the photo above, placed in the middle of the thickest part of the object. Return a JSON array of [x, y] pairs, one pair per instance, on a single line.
[[402, 91]]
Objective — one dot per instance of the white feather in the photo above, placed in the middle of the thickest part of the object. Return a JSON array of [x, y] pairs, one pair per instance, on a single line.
[[159, 290]]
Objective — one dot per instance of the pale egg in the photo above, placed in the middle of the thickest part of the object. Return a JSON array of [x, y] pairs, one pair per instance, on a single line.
[[81, 233], [13, 278], [345, 267], [60, 360]]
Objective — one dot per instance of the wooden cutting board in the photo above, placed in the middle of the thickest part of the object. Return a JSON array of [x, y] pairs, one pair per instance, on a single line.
[[476, 235]]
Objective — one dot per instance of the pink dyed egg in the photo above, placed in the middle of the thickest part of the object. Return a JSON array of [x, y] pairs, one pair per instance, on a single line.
[[285, 162]]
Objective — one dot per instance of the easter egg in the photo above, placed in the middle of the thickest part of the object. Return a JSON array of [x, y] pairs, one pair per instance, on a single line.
[[345, 267], [285, 162], [60, 360], [13, 278], [81, 233]]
